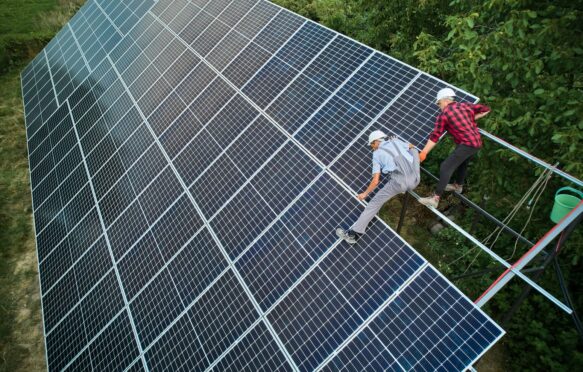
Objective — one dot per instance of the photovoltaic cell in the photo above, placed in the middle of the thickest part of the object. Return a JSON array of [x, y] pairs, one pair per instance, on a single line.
[[407, 120], [408, 327], [258, 351], [331, 129], [190, 161]]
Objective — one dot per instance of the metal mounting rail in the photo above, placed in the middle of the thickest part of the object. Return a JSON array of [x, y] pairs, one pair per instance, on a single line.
[[528, 256], [485, 213], [509, 268], [532, 158]]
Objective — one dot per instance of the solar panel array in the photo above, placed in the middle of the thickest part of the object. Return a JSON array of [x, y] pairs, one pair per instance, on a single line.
[[190, 161]]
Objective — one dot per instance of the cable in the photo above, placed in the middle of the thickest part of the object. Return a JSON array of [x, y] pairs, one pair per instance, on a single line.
[[537, 197], [516, 208], [537, 188]]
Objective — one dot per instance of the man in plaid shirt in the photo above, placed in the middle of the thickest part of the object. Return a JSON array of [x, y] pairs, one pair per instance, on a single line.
[[459, 119]]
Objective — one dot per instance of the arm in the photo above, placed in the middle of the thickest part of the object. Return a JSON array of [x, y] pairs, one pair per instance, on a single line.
[[480, 111], [429, 146], [373, 184], [481, 115], [434, 137]]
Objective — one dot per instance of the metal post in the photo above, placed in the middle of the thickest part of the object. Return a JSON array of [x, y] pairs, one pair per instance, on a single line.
[[568, 300], [487, 271], [551, 257], [528, 256], [403, 211], [509, 268]]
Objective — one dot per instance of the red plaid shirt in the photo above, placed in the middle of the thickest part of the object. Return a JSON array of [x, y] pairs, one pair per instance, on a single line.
[[459, 120]]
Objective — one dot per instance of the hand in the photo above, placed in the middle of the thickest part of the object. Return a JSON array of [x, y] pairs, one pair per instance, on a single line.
[[422, 156], [481, 115], [411, 146], [362, 196]]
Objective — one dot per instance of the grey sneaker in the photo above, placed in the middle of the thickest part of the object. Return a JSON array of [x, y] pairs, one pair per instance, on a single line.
[[454, 187], [348, 236], [430, 201]]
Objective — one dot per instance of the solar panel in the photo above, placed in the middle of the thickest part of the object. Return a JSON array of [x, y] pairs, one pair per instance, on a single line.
[[190, 161]]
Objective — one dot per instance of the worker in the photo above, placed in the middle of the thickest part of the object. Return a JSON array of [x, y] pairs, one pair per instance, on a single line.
[[459, 119], [397, 163]]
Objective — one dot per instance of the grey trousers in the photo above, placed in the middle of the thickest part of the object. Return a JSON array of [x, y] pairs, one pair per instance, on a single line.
[[398, 184]]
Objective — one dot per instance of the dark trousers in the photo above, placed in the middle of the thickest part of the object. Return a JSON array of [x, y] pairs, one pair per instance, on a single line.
[[459, 159]]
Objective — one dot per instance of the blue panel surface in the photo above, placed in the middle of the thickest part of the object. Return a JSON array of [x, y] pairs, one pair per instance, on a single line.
[[429, 309], [189, 163], [257, 351], [293, 244]]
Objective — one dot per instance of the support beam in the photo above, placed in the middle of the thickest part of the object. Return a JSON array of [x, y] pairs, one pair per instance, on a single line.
[[528, 256], [485, 214], [532, 158], [495, 256]]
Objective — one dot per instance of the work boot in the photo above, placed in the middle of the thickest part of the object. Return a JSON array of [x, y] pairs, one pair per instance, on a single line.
[[430, 201], [349, 236], [454, 187]]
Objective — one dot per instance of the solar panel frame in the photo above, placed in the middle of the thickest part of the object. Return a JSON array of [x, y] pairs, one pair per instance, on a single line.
[[72, 218]]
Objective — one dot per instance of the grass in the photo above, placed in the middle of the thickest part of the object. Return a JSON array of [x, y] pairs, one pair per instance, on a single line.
[[21, 335], [21, 16], [26, 25]]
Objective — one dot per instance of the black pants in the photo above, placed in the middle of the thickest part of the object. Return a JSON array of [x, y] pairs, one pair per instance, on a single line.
[[459, 159]]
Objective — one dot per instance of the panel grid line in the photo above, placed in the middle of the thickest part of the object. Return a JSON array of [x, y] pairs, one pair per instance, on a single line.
[[119, 282], [78, 303], [216, 18], [374, 120], [51, 77], [232, 28], [79, 48], [312, 315], [272, 54], [207, 224], [189, 47], [86, 347], [372, 317], [374, 50], [187, 308], [277, 125], [74, 262], [223, 152], [301, 146], [170, 260], [34, 227], [109, 19]]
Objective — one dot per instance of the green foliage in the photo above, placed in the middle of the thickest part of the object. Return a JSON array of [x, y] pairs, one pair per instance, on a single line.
[[523, 58], [17, 48], [21, 16], [28, 25], [525, 65]]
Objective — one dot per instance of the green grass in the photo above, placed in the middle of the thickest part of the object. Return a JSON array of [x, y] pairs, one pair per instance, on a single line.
[[26, 26], [22, 16], [21, 340]]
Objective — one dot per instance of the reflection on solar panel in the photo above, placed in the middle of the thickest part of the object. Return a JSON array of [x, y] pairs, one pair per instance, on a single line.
[[190, 161]]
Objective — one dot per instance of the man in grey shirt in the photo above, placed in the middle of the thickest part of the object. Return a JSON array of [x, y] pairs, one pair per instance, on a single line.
[[391, 158]]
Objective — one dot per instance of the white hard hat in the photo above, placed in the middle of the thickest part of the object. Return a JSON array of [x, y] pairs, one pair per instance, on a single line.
[[445, 92], [376, 135]]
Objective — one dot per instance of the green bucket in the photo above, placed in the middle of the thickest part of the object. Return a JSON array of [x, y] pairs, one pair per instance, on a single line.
[[564, 203]]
